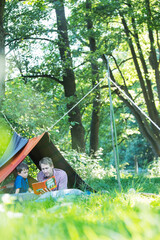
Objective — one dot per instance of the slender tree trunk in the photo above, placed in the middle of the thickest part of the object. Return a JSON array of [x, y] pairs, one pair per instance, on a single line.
[[151, 134], [153, 110], [153, 55], [94, 136], [2, 53], [77, 130], [153, 113], [136, 164]]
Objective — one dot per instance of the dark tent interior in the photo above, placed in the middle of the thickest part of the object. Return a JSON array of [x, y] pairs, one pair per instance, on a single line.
[[37, 148]]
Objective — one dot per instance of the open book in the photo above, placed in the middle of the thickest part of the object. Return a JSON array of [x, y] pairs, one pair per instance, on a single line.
[[45, 186]]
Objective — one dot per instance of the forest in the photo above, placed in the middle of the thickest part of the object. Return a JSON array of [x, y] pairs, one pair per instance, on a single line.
[[86, 72], [53, 53]]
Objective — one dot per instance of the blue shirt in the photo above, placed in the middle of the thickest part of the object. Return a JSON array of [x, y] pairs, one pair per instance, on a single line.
[[21, 183]]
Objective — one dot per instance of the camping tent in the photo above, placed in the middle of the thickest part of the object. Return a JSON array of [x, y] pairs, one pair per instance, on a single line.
[[37, 148]]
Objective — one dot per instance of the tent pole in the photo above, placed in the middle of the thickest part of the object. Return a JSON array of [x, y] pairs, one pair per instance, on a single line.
[[113, 130]]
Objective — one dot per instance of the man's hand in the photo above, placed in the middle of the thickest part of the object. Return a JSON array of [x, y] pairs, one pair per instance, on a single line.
[[44, 190]]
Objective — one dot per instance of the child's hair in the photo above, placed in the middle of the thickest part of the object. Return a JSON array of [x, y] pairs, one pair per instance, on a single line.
[[21, 167], [46, 160]]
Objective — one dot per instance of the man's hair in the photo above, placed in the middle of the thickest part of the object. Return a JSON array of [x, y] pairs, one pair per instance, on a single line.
[[46, 160], [21, 167]]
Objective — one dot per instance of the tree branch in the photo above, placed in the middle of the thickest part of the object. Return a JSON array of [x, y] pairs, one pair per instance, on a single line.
[[43, 76], [29, 38]]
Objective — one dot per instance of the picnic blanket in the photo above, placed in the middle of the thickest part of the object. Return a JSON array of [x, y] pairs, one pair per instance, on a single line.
[[39, 198]]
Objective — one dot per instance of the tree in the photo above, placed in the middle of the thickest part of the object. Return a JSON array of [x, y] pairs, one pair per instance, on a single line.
[[134, 59], [95, 80], [148, 130], [77, 130], [37, 32], [131, 30], [70, 63], [2, 53]]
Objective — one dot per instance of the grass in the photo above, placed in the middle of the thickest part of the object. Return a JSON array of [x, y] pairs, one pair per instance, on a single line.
[[113, 215], [138, 182]]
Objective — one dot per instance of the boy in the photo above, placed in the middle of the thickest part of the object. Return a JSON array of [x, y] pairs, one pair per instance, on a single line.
[[21, 183]]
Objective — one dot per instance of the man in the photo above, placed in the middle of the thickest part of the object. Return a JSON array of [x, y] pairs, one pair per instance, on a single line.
[[48, 170]]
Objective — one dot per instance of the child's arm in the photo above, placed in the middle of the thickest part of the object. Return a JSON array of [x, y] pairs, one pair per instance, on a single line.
[[30, 190], [17, 190]]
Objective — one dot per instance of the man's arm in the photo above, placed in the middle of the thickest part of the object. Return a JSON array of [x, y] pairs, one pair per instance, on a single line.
[[63, 181], [40, 177]]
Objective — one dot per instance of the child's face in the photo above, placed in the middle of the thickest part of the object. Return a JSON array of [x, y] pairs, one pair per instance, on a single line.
[[24, 173]]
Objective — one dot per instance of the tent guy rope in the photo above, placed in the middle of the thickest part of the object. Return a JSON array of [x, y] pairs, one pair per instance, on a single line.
[[48, 129], [8, 121]]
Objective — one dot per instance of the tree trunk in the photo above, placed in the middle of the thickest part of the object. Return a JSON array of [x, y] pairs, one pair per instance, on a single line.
[[2, 53], [152, 107], [77, 130], [94, 136], [152, 47], [146, 88], [136, 164], [150, 133]]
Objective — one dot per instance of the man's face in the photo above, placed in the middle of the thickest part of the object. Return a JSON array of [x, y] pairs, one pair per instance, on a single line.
[[24, 173], [47, 170]]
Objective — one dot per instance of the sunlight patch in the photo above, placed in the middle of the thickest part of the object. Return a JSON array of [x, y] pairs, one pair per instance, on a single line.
[[5, 138]]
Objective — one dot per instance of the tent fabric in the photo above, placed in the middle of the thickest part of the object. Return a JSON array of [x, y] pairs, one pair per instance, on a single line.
[[37, 148], [15, 145], [8, 168]]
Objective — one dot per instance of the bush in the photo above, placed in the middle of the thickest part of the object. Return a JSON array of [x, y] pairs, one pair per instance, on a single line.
[[154, 168], [86, 166]]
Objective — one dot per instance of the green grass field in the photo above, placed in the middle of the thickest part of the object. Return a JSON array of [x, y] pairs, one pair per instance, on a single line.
[[130, 214]]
